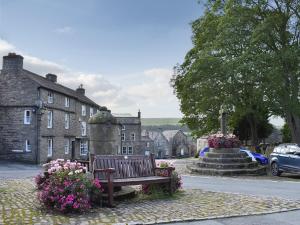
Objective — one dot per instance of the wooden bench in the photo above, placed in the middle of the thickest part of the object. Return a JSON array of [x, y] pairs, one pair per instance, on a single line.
[[119, 170]]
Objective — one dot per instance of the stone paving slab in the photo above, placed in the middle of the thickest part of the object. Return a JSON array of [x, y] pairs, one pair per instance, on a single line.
[[18, 205]]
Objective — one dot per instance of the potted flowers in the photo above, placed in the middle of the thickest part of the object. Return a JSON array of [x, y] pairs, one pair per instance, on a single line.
[[65, 187]]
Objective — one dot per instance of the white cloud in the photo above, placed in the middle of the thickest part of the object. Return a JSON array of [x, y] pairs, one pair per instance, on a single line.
[[149, 92], [64, 30]]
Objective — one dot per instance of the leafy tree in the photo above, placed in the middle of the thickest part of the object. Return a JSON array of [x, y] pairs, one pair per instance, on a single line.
[[246, 56]]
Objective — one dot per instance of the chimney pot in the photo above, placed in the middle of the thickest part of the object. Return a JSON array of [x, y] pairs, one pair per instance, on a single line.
[[80, 90]]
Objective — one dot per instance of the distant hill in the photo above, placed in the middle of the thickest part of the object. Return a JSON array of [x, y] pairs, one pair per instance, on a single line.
[[160, 121], [155, 124]]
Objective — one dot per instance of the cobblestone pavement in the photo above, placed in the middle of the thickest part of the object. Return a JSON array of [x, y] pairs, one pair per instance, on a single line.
[[18, 205]]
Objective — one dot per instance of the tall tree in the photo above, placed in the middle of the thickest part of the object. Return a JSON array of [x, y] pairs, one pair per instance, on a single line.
[[245, 54]]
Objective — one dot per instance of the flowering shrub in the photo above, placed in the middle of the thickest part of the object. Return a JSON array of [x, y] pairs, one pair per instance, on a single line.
[[65, 187], [223, 141], [176, 182]]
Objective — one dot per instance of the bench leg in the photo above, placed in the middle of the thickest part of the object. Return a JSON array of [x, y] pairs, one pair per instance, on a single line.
[[110, 194]]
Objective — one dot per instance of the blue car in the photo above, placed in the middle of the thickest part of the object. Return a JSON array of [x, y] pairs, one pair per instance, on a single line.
[[203, 151], [261, 159]]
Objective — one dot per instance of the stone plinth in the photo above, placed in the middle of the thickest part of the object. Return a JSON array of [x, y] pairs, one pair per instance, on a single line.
[[226, 162]]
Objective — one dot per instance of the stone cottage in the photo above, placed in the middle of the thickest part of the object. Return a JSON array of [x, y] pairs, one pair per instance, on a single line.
[[41, 119], [170, 143]]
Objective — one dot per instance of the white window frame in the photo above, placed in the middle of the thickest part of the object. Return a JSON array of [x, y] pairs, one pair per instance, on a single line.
[[67, 121], [130, 150], [123, 137], [27, 119], [83, 128], [132, 136], [91, 111], [123, 127], [50, 97], [124, 150], [84, 148], [67, 102], [67, 146], [27, 146], [50, 147], [50, 119], [83, 110]]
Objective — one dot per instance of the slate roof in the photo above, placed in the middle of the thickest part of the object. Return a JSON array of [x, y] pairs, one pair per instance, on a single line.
[[45, 83], [169, 134]]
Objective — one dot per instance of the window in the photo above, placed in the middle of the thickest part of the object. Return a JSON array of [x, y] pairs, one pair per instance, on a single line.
[[50, 119], [27, 117], [130, 150], [67, 120], [123, 137], [50, 147], [67, 102], [124, 150], [83, 110], [91, 112], [83, 128], [148, 144], [147, 152], [123, 127], [27, 146], [67, 145], [83, 147], [50, 97], [132, 136]]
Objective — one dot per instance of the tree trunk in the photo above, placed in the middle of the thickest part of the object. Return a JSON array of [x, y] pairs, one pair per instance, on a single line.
[[253, 130], [293, 122]]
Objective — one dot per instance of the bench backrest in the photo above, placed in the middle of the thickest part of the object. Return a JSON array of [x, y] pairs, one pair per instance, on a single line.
[[125, 166]]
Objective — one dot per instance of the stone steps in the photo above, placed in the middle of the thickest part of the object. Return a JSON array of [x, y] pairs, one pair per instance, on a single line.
[[226, 155], [227, 165], [227, 160], [227, 172]]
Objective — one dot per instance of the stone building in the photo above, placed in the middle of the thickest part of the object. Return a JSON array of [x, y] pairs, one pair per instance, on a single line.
[[170, 143], [131, 138], [39, 118]]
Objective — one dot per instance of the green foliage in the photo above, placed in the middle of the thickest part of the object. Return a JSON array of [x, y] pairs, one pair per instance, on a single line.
[[286, 134], [245, 56]]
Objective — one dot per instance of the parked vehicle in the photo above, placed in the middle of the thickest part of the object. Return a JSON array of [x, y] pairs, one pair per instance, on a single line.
[[261, 159], [285, 158], [203, 151]]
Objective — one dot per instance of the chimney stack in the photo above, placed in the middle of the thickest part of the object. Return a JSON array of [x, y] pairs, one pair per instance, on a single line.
[[139, 114], [51, 77], [12, 62], [80, 90]]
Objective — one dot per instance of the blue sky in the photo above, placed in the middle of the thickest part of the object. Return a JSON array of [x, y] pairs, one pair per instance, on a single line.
[[122, 51]]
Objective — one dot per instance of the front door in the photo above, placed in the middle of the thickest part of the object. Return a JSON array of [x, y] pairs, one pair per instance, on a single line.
[[72, 150]]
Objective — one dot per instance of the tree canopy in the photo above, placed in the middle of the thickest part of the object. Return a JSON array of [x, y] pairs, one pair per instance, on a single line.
[[246, 56]]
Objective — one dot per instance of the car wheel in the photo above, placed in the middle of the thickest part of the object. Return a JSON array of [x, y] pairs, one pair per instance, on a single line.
[[275, 169]]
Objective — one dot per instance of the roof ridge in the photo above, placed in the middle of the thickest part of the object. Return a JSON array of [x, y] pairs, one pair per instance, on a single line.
[[44, 82]]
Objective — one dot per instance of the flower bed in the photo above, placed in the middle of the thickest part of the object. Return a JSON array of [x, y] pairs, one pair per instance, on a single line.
[[163, 188], [223, 141], [65, 187]]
